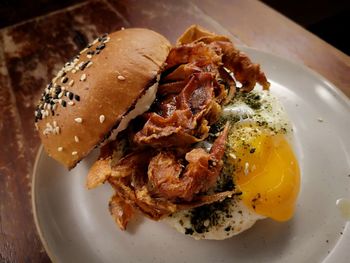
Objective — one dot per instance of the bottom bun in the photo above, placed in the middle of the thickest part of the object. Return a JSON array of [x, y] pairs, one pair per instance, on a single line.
[[215, 221]]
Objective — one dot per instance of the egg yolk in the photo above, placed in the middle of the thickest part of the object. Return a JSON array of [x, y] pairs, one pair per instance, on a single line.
[[267, 173]]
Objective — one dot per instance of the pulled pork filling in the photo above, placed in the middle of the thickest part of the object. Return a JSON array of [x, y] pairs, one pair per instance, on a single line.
[[155, 166]]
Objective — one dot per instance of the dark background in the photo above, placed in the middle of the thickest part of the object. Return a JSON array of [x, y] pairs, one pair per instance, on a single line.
[[325, 18]]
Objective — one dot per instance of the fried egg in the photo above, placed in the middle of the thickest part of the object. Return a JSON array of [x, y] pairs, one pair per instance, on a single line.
[[259, 162]]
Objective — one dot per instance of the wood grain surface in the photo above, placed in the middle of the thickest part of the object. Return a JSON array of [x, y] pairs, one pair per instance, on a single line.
[[32, 51]]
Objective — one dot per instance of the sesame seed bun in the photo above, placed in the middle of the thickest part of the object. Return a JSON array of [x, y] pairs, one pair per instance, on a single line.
[[93, 93]]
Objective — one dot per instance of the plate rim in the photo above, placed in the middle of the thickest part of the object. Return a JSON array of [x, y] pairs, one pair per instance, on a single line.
[[34, 206], [329, 85]]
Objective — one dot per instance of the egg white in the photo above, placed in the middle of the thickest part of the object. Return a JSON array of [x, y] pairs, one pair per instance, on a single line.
[[240, 218]]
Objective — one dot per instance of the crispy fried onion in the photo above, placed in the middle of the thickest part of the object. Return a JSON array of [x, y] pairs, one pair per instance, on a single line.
[[196, 82], [158, 183], [184, 118], [162, 172]]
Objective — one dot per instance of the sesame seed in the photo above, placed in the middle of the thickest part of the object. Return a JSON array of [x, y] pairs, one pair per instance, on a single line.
[[83, 51], [71, 83], [106, 40], [71, 103], [58, 89], [232, 155], [64, 79], [76, 139], [83, 77], [89, 56], [78, 120], [74, 71], [74, 153], [102, 118], [54, 123], [63, 88], [122, 28], [246, 168], [60, 74], [83, 66], [60, 149], [100, 47], [89, 64], [95, 41], [36, 126], [120, 77], [61, 94], [57, 130], [54, 107]]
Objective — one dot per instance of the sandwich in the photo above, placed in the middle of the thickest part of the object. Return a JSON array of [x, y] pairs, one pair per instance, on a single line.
[[188, 134]]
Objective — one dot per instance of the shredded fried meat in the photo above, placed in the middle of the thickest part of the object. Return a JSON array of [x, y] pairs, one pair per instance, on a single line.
[[162, 171], [169, 179]]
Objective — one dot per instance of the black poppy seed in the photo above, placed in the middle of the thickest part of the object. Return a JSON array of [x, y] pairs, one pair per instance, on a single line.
[[77, 97], [91, 52], [83, 66], [100, 47], [64, 80], [89, 46], [104, 35], [189, 231], [64, 103], [53, 113], [70, 95], [58, 90]]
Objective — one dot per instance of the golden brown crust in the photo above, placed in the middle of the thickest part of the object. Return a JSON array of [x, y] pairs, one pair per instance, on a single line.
[[127, 63]]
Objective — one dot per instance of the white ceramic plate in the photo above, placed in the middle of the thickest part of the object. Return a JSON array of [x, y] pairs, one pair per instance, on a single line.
[[75, 225]]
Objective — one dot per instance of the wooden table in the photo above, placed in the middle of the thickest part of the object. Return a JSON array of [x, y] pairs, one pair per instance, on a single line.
[[31, 52]]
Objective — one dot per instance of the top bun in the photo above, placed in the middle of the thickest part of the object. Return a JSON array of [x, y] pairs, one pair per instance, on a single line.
[[92, 94]]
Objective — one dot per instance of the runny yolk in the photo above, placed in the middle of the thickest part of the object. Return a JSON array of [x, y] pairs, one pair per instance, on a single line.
[[267, 173]]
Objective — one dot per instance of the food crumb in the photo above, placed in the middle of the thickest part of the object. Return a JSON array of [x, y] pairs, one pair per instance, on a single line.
[[320, 119]]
